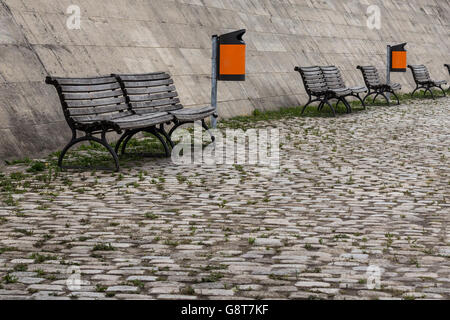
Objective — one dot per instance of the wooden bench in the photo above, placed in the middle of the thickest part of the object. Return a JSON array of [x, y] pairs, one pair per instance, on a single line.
[[376, 86], [317, 89], [423, 81], [152, 93], [335, 81], [97, 106]]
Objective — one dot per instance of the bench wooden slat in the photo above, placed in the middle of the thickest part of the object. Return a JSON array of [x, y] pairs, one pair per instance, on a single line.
[[165, 108], [313, 77], [97, 110], [144, 84], [371, 76], [95, 103], [91, 88], [84, 81], [147, 90], [155, 96], [316, 85], [315, 81], [155, 103], [149, 93], [93, 95], [102, 117], [310, 69], [145, 77]]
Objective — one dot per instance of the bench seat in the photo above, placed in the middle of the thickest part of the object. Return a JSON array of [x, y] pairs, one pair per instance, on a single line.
[[439, 82], [136, 121], [193, 114], [358, 89], [343, 92]]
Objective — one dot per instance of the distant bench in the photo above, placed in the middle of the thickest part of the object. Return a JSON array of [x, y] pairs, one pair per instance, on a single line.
[[423, 80], [325, 83], [125, 104], [376, 86]]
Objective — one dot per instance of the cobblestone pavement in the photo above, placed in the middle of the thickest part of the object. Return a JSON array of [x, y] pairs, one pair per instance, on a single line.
[[359, 210]]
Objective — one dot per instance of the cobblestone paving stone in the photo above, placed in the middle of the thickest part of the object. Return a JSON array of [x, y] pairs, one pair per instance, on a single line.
[[355, 193]]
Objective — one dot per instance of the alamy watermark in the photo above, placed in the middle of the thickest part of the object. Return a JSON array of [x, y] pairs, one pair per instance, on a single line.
[[374, 19], [73, 281], [258, 147], [73, 22], [373, 275]]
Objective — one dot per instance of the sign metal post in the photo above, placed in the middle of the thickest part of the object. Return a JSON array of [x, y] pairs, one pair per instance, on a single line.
[[214, 79], [388, 69]]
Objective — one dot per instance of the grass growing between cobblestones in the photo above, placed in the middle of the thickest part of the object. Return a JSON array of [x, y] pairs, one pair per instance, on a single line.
[[346, 197], [244, 122], [93, 155]]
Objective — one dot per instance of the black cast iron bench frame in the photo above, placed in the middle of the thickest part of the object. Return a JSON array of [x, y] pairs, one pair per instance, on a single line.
[[318, 91], [97, 106], [376, 86], [335, 81], [155, 92], [423, 81]]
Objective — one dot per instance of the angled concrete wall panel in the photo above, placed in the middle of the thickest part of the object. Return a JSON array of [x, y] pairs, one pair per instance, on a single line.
[[174, 35]]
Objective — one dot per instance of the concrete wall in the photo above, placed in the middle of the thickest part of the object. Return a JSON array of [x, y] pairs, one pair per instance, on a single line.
[[174, 35]]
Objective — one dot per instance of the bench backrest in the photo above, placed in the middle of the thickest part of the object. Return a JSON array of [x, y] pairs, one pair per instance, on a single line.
[[448, 67], [333, 77], [420, 73], [371, 76], [313, 80], [151, 92], [88, 100]]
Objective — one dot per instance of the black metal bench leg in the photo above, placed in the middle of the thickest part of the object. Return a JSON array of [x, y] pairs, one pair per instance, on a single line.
[[177, 124], [428, 88], [71, 143], [385, 97], [120, 141], [396, 97], [414, 91], [101, 141], [368, 95], [320, 106], [347, 105], [205, 126], [362, 101], [377, 94], [166, 135], [443, 91], [307, 104], [330, 105], [180, 123], [127, 139], [110, 149], [156, 133]]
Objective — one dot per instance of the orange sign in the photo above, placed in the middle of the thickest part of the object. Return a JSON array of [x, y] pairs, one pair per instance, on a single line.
[[232, 59], [399, 60]]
